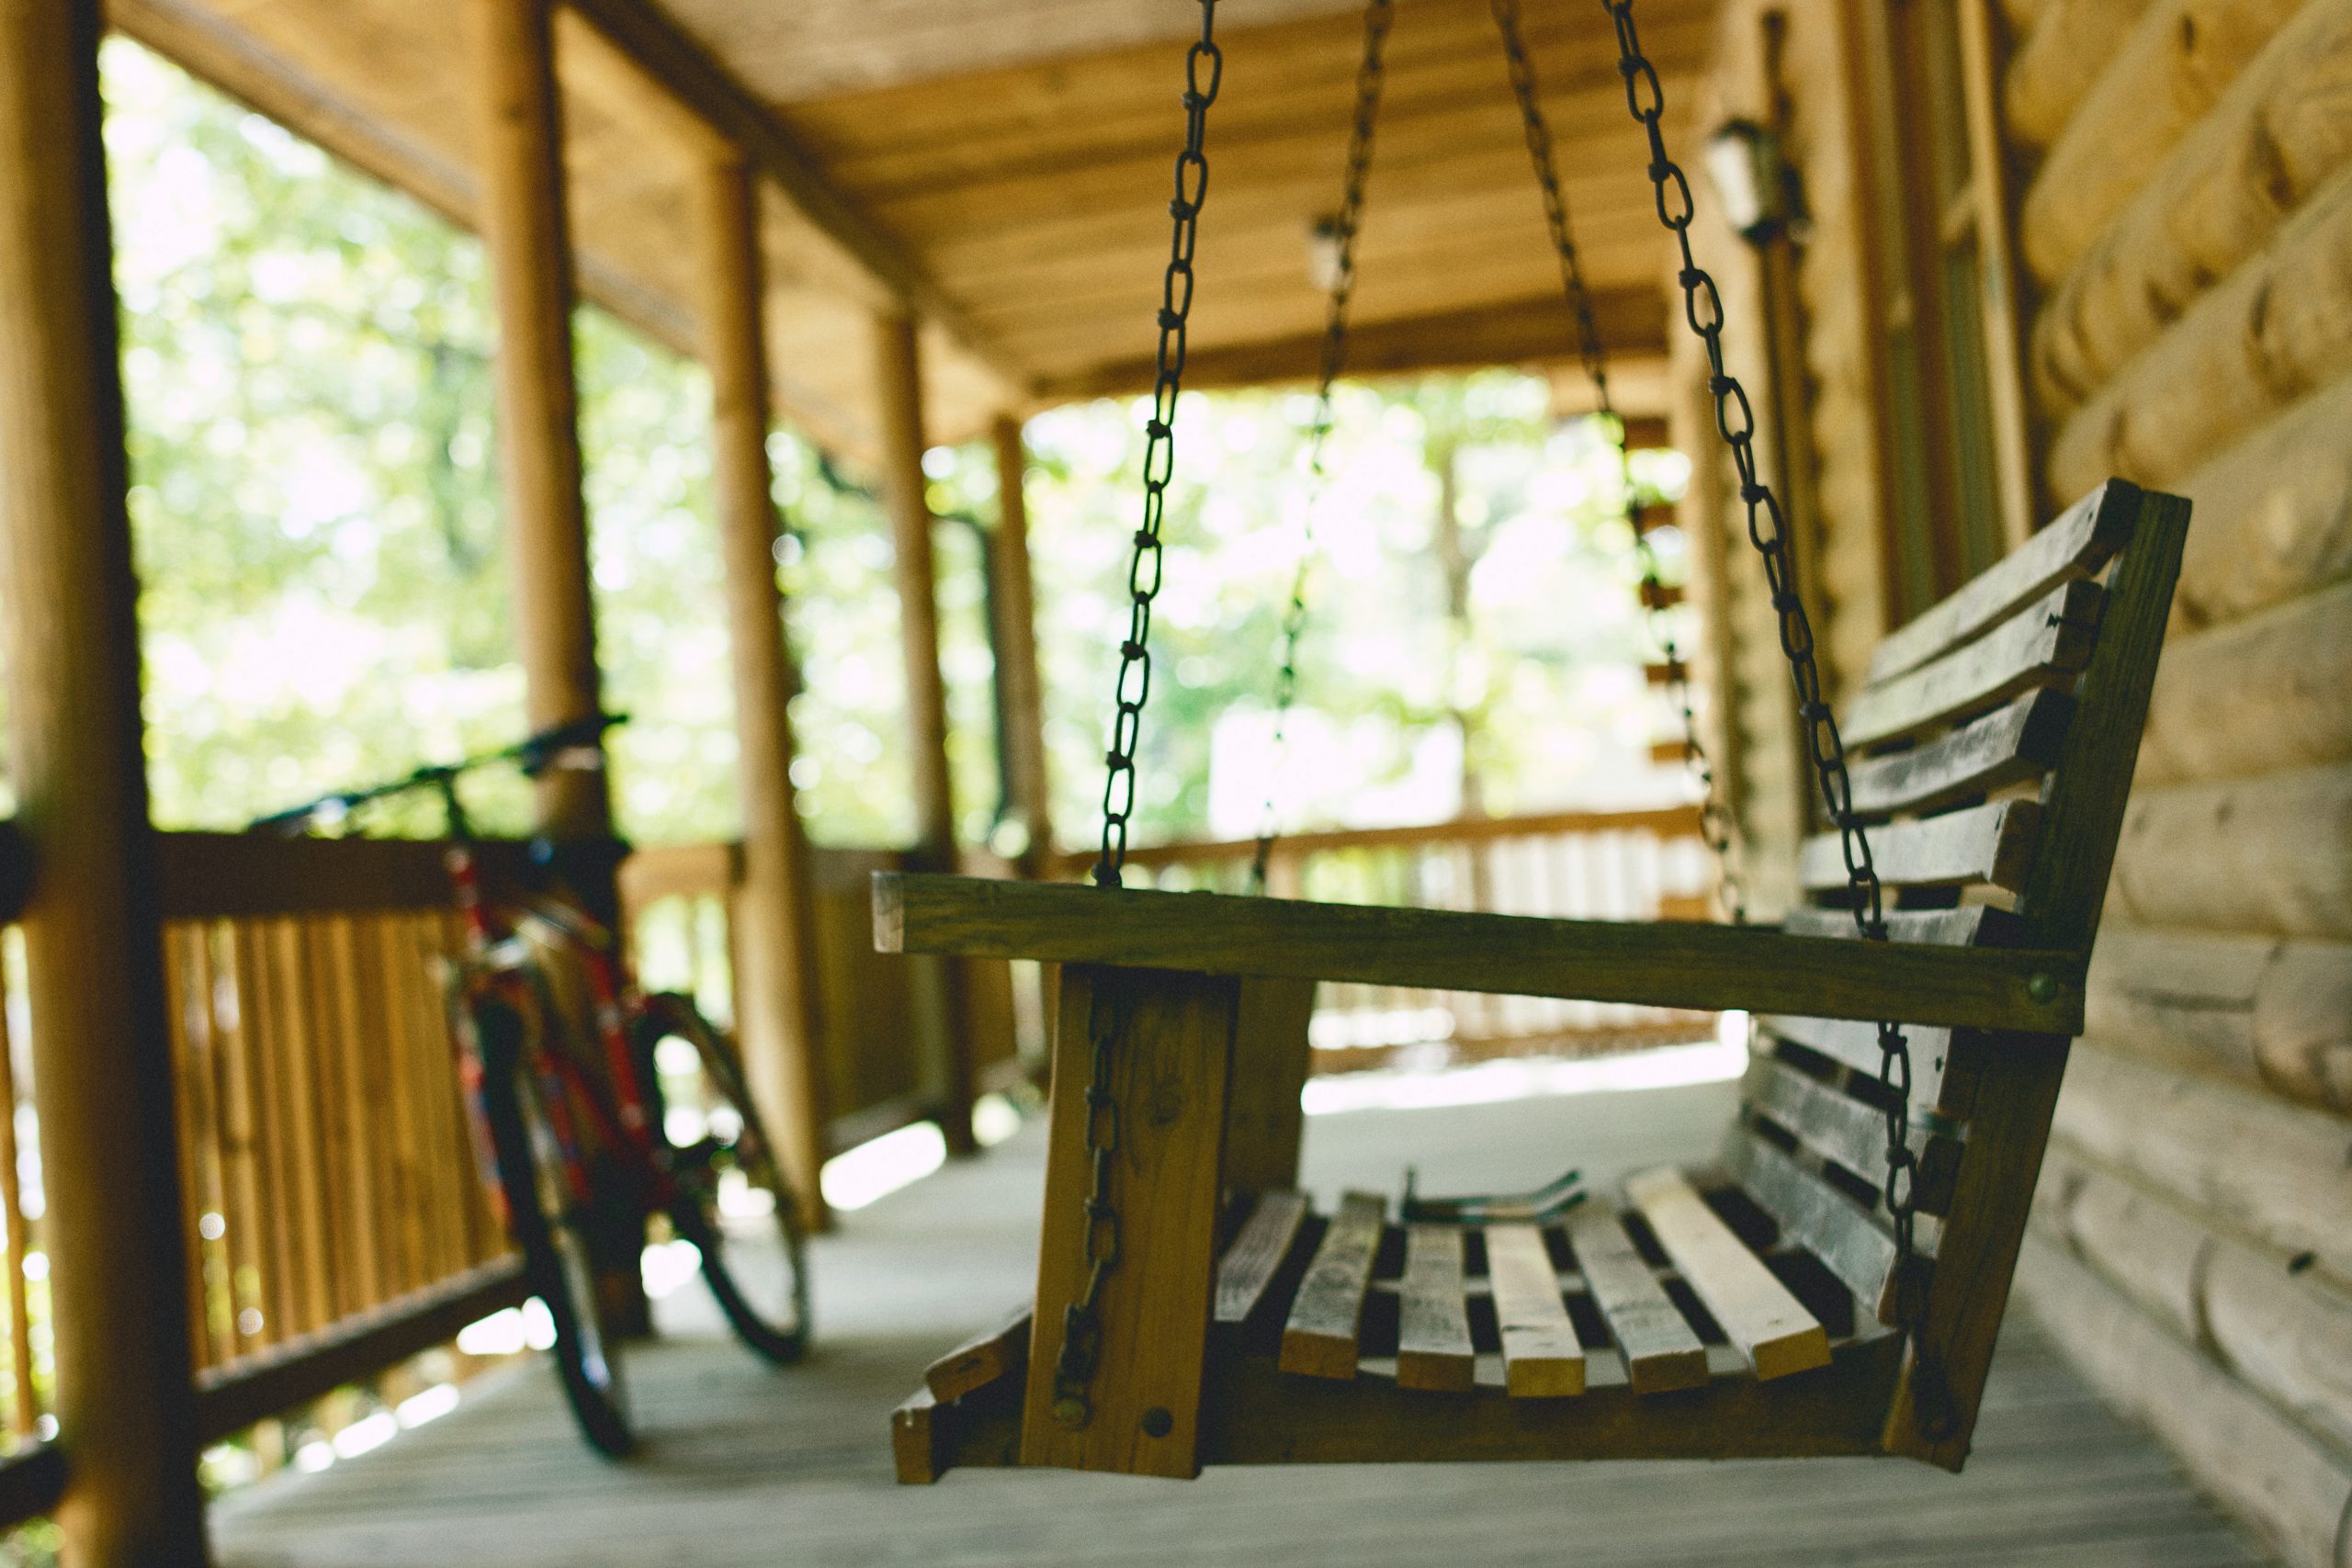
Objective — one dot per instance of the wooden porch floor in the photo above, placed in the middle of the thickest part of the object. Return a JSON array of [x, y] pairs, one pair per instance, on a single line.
[[745, 1466]]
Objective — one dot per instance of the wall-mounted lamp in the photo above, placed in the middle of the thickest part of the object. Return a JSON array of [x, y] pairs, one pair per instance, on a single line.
[[1757, 188]]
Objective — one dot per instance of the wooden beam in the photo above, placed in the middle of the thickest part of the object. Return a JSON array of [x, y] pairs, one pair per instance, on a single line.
[[524, 230], [247, 875], [776, 970], [898, 377], [682, 65], [1537, 329], [103, 1084], [1662, 964], [254, 1388], [234, 60], [1020, 688]]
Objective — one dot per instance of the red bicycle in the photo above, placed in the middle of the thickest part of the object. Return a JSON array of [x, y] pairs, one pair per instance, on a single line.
[[665, 1134]]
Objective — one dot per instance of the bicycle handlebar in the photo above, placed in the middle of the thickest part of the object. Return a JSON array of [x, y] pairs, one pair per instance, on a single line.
[[533, 755]]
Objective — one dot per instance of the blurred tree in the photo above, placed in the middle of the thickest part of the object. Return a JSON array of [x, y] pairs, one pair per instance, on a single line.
[[317, 513]]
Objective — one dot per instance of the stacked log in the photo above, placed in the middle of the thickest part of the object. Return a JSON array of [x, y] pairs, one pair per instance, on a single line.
[[2151, 90], [2192, 222], [2276, 135], [2274, 331], [2268, 1013]]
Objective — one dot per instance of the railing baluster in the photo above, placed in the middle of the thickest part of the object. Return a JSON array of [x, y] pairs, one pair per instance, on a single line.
[[240, 1132], [210, 1340], [313, 1180], [249, 960], [23, 1407]]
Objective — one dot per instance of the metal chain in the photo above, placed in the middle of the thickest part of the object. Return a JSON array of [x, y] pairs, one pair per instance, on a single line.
[[1370, 74], [1081, 1347], [1932, 1407], [1203, 71], [1714, 816]]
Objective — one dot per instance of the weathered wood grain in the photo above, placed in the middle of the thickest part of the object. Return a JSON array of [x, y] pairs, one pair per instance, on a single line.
[[999, 1352], [1969, 925], [1826, 1221], [1754, 1310], [2084, 804], [1327, 1315], [2262, 694], [2017, 743], [1993, 844], [2041, 645], [1264, 1116], [2262, 1464], [2276, 330], [1175, 1040], [2076, 545], [1660, 1350], [1250, 1264], [1841, 1128], [2279, 1174], [2220, 194], [1542, 1356], [1433, 1350], [1665, 962]]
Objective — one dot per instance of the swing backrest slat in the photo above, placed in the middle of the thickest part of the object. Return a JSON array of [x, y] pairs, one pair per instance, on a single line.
[[1990, 748]]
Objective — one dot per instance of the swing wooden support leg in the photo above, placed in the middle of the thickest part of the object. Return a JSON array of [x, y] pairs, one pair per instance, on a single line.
[[1205, 1097]]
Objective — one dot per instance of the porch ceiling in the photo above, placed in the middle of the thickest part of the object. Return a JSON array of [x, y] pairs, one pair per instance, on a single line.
[[1009, 177]]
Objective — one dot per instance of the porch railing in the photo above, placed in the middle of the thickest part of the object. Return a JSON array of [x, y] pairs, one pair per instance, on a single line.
[[1634, 864], [337, 1217], [885, 1043]]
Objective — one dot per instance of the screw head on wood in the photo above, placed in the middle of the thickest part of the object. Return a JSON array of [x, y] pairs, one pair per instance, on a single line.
[[2041, 988], [1070, 1411], [1157, 1423]]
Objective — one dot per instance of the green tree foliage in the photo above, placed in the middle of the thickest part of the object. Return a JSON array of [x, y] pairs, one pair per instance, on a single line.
[[317, 516]]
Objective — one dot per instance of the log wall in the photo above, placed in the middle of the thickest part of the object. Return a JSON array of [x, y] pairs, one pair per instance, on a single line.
[[2182, 172], [2191, 228]]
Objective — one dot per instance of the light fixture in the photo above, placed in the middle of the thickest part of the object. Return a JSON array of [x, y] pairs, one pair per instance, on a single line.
[[1323, 253], [1745, 166]]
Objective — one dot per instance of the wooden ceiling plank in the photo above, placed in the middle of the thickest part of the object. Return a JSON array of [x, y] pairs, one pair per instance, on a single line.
[[1300, 171], [1455, 40], [1530, 330], [681, 66]]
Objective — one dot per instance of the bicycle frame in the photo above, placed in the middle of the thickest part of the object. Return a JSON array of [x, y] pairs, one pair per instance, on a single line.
[[617, 1110]]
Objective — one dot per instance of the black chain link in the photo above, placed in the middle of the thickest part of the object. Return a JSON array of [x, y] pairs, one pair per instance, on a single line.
[[1370, 74], [1714, 816], [1204, 72], [1932, 1407], [1081, 1347]]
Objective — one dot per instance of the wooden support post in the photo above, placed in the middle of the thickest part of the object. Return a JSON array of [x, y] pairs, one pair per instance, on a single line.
[[776, 949], [525, 228], [524, 225], [1168, 1080], [899, 374], [1265, 1118], [119, 1308], [1020, 689]]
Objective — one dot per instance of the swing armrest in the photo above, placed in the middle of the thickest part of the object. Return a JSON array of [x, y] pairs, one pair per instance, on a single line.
[[1657, 963]]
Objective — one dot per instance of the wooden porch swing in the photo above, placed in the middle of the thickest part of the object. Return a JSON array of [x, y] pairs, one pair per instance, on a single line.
[[1833, 1284]]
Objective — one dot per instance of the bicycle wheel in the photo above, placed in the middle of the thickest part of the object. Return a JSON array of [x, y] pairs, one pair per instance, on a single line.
[[550, 1226], [730, 1198]]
